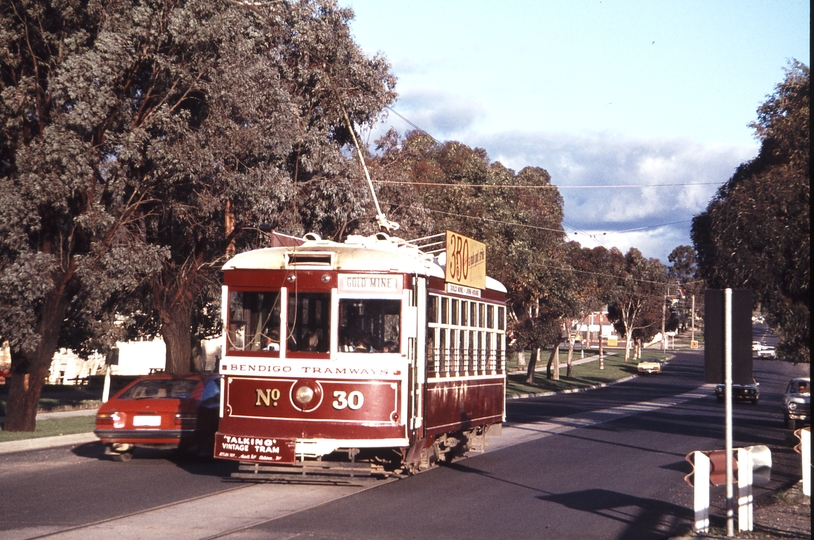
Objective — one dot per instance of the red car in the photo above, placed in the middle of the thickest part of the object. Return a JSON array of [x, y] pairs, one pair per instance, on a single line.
[[164, 411]]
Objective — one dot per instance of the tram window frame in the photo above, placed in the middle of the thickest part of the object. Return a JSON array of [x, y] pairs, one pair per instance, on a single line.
[[378, 325], [308, 327], [254, 321], [432, 309]]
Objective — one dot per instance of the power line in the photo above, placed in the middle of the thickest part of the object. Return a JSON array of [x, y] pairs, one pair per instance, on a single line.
[[549, 186], [480, 218]]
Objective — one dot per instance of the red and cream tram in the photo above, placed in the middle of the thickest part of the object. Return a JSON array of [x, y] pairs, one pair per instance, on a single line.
[[369, 352]]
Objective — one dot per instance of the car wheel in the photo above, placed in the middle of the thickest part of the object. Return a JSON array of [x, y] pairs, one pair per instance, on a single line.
[[122, 456], [790, 423]]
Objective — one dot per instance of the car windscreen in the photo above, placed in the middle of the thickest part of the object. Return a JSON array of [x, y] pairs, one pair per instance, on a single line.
[[161, 389]]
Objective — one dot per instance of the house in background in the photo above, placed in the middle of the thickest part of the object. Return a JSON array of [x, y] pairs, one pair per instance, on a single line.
[[589, 327]]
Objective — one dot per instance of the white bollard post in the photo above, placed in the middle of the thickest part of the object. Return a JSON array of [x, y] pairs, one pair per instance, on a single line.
[[745, 506], [106, 389], [805, 443], [701, 492]]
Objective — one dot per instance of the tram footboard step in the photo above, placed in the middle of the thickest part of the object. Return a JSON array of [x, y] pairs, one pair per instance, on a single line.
[[251, 471]]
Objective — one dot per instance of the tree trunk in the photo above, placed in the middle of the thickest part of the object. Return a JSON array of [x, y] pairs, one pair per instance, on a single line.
[[627, 347], [176, 329], [555, 354], [570, 362], [532, 365], [30, 369]]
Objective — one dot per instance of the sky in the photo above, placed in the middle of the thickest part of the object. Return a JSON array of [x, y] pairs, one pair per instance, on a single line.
[[638, 110]]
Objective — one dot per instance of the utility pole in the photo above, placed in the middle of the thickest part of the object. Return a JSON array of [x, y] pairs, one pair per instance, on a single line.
[[663, 315], [601, 350], [692, 320]]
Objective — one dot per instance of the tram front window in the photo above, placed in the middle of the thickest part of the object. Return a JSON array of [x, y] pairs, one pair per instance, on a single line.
[[369, 325], [254, 321], [309, 322]]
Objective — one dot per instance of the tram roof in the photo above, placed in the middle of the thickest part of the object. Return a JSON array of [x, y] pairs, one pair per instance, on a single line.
[[376, 253]]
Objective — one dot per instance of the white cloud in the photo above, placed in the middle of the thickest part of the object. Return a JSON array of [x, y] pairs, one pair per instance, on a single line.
[[594, 172]]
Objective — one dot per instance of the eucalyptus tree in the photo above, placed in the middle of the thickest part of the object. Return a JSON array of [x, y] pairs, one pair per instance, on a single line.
[[270, 148], [518, 215], [756, 232], [638, 296], [142, 138], [592, 286], [684, 273]]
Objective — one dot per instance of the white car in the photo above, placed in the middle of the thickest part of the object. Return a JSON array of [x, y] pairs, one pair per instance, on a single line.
[[649, 366], [797, 402], [767, 352]]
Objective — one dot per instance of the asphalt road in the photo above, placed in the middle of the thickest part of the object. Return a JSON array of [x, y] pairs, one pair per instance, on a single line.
[[608, 463]]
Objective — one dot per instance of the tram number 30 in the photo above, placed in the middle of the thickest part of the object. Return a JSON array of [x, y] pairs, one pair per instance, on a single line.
[[353, 400]]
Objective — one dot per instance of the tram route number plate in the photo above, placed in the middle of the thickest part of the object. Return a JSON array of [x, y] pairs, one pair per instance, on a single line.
[[255, 449]]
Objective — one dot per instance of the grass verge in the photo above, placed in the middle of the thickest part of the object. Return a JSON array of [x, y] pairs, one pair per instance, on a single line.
[[52, 427], [584, 375]]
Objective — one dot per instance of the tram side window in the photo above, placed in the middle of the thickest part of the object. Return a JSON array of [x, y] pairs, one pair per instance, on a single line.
[[254, 321], [432, 309], [369, 325], [309, 322]]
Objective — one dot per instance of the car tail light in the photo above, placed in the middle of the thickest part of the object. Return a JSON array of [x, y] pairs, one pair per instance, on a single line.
[[115, 418]]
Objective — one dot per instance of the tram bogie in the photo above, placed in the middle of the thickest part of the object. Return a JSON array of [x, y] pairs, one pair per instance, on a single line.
[[359, 352]]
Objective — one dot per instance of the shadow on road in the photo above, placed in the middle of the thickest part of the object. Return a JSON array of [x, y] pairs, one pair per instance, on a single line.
[[645, 518]]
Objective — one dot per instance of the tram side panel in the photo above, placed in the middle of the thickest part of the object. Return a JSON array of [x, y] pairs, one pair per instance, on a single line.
[[464, 357], [461, 405]]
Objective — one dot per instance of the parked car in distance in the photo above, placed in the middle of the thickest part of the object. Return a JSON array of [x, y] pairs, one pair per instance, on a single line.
[[757, 346], [797, 402], [162, 410], [767, 352], [649, 366], [740, 392]]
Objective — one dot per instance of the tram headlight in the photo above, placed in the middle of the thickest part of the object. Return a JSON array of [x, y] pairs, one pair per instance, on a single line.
[[306, 395]]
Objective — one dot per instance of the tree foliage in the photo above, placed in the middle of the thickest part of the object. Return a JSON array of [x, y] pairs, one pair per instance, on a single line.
[[518, 215], [141, 139], [636, 308], [756, 233]]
